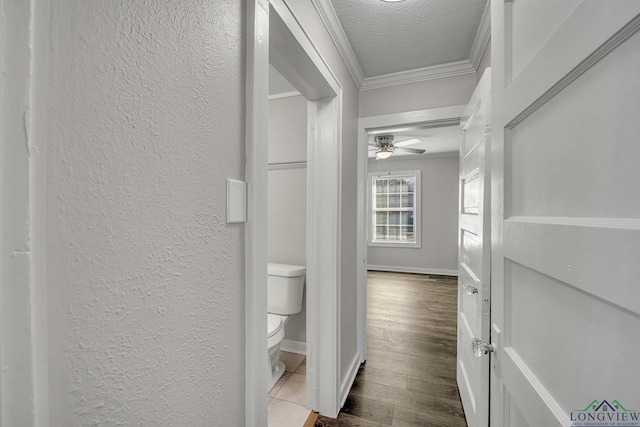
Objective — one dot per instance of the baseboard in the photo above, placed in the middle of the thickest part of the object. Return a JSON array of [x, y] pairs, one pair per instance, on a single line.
[[349, 379], [297, 347], [396, 269]]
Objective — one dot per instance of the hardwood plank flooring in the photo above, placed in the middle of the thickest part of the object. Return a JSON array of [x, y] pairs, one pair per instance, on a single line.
[[409, 378]]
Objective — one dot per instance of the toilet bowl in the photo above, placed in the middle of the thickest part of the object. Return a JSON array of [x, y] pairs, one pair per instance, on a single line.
[[275, 330], [285, 285]]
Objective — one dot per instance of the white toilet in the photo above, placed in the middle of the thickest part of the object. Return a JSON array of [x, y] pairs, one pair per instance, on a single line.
[[285, 285]]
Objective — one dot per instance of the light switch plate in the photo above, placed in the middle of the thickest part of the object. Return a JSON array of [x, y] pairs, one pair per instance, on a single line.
[[236, 201]]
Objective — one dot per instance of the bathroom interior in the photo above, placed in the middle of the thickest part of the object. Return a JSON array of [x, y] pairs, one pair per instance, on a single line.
[[287, 198]]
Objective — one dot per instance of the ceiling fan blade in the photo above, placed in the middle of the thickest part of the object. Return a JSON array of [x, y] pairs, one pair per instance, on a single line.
[[409, 150], [407, 142], [373, 144]]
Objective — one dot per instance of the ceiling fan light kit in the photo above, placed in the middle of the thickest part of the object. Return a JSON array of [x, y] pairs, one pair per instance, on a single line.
[[384, 147], [383, 153]]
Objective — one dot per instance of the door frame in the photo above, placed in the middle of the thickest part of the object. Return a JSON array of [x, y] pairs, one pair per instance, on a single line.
[[275, 34], [434, 116], [24, 389]]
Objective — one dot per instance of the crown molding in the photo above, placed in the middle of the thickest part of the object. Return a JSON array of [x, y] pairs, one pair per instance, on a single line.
[[334, 28], [419, 74], [483, 36], [336, 32]]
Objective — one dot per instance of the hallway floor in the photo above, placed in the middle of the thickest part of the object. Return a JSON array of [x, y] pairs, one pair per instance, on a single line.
[[409, 378]]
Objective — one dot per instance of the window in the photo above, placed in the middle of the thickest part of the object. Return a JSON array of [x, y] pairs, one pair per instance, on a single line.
[[395, 209]]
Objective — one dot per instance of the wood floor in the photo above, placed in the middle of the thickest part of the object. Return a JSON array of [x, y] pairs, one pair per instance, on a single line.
[[409, 378]]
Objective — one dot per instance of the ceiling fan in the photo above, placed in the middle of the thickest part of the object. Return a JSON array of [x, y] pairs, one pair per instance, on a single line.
[[384, 147]]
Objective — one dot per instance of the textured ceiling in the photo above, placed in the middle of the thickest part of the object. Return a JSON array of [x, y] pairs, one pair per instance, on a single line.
[[392, 37]]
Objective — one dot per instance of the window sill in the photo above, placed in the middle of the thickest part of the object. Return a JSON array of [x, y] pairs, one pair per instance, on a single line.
[[407, 245]]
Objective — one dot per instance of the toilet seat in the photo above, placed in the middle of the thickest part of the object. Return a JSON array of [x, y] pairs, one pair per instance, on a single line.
[[274, 324]]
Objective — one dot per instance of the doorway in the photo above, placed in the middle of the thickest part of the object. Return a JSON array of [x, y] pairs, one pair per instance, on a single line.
[[368, 128], [276, 38], [287, 197]]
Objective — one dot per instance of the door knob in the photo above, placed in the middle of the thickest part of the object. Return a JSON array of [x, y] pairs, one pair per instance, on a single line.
[[480, 347], [470, 290]]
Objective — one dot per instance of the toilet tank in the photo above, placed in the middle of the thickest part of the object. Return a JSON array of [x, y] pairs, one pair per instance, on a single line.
[[285, 284]]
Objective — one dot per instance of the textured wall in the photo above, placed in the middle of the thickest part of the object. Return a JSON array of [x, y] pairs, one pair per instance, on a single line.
[[439, 194], [145, 278]]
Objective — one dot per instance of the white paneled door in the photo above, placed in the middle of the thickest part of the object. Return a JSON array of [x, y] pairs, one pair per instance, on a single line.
[[565, 304], [474, 257]]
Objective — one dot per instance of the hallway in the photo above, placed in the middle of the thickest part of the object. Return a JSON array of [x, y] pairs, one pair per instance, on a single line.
[[409, 378]]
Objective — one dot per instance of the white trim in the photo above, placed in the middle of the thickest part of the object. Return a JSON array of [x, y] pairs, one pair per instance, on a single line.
[[483, 36], [284, 95], [323, 271], [24, 385], [334, 28], [297, 347], [362, 166], [287, 165], [520, 380], [256, 175], [294, 55], [297, 47], [399, 269], [615, 223], [420, 156], [585, 65], [349, 379], [408, 118], [444, 115], [439, 71], [37, 119]]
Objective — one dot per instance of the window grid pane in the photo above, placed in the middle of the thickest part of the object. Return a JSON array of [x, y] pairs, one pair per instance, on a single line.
[[393, 209]]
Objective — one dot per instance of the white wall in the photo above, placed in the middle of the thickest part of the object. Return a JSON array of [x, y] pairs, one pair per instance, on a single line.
[[439, 200], [145, 278], [439, 176], [288, 194], [423, 95]]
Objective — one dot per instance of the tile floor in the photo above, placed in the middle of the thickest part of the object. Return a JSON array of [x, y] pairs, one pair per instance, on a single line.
[[288, 398]]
